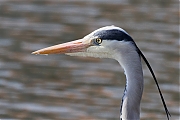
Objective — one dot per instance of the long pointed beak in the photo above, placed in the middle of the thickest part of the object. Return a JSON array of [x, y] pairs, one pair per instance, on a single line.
[[69, 47]]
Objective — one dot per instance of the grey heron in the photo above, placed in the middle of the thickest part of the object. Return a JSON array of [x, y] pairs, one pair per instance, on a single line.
[[114, 42]]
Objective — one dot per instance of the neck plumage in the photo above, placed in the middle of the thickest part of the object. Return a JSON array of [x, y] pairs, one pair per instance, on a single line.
[[130, 107]]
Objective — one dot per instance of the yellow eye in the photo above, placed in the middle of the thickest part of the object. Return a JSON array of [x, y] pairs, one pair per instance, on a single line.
[[98, 41]]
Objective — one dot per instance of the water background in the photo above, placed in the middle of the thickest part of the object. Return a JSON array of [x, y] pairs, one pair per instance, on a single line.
[[69, 88]]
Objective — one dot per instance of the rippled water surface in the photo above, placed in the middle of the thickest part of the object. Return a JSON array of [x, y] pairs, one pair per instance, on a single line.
[[64, 87]]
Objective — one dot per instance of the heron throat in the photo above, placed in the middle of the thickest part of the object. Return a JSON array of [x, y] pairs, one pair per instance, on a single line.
[[130, 106]]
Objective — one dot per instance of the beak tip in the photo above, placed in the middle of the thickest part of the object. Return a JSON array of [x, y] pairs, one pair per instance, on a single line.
[[35, 53], [38, 53]]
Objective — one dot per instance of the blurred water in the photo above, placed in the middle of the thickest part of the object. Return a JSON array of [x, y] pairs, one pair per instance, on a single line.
[[63, 87]]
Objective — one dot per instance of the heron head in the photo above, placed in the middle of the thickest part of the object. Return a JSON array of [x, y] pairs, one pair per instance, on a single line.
[[106, 42], [103, 43]]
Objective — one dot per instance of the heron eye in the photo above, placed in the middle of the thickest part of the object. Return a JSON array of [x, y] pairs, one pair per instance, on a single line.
[[98, 41]]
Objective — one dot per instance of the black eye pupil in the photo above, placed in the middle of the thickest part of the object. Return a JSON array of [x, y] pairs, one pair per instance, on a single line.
[[98, 40]]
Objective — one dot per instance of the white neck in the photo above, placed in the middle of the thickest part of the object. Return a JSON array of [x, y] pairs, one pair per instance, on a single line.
[[131, 64]]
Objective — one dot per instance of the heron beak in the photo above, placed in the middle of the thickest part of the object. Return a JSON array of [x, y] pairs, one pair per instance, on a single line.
[[70, 47]]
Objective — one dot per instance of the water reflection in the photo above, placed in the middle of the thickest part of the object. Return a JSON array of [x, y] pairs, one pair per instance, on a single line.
[[63, 87]]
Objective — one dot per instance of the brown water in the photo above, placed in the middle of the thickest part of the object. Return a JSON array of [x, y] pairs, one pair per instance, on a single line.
[[63, 87]]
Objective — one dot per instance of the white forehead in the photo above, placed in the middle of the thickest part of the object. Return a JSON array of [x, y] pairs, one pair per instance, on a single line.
[[112, 27]]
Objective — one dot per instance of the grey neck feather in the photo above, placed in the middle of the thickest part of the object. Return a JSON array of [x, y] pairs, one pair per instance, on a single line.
[[130, 108]]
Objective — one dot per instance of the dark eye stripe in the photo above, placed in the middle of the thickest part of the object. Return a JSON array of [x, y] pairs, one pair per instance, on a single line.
[[113, 34]]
